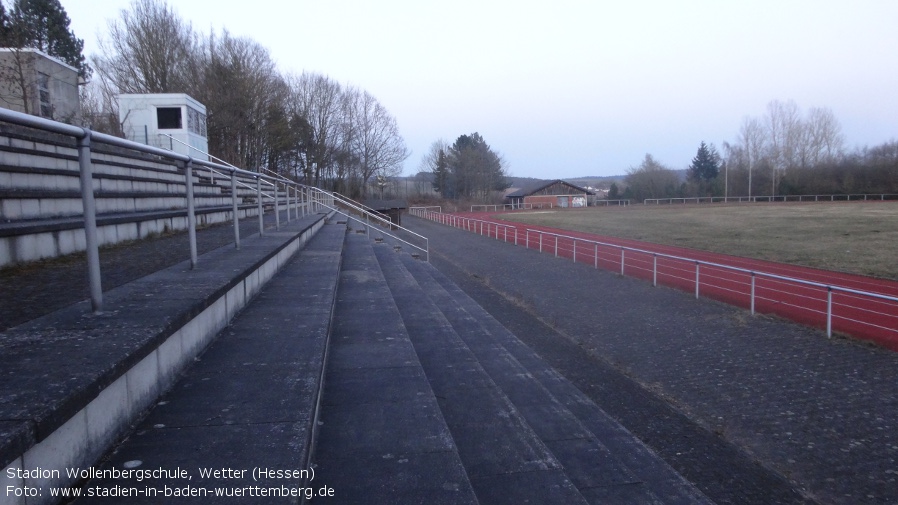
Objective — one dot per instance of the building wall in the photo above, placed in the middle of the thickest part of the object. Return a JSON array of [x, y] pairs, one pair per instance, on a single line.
[[569, 201], [138, 114], [51, 86], [544, 200]]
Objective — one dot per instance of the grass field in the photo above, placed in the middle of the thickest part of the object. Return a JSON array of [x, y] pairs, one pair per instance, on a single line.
[[852, 237]]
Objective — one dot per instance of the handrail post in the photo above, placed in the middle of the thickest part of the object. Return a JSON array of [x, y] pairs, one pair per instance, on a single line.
[[622, 260], [540, 241], [277, 207], [259, 204], [575, 249], [90, 222], [234, 209], [556, 246], [654, 269], [191, 212], [597, 256]]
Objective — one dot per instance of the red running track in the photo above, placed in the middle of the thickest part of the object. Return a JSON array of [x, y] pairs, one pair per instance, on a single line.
[[862, 316]]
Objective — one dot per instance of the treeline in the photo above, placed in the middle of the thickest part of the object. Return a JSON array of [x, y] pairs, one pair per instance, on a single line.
[[466, 169], [306, 126], [784, 152], [42, 25]]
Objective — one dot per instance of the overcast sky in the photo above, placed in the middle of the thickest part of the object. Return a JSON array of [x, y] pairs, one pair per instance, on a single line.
[[573, 88]]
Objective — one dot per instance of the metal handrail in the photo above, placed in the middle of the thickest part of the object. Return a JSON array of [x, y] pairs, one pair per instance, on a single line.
[[228, 165], [371, 213], [425, 250], [188, 146], [311, 197], [469, 220], [84, 137], [774, 198], [720, 265], [360, 204], [830, 288], [753, 273], [414, 210], [364, 209]]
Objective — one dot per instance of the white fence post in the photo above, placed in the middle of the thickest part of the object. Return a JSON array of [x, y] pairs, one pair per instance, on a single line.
[[697, 265], [829, 311]]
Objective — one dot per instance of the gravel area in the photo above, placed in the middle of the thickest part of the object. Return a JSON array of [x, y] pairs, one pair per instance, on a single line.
[[751, 409]]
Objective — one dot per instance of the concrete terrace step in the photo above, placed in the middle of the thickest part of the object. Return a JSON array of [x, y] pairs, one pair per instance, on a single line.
[[73, 380], [383, 438], [505, 458], [605, 461], [252, 398]]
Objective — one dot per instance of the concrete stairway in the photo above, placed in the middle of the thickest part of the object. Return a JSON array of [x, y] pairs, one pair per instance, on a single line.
[[523, 431], [249, 402], [383, 438], [424, 398]]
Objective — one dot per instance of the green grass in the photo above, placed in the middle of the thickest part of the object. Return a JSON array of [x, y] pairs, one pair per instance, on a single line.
[[857, 237]]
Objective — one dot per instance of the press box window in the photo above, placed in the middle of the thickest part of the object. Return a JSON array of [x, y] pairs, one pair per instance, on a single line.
[[43, 88], [168, 118]]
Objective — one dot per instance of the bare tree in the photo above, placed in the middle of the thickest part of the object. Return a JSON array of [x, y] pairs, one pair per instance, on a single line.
[[751, 136], [16, 81], [823, 139], [99, 109], [318, 99], [784, 133], [651, 179], [376, 141], [244, 97], [150, 49]]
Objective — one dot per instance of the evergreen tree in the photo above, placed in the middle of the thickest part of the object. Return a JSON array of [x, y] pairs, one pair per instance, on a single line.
[[4, 26], [475, 169], [613, 192], [44, 25], [706, 164], [441, 175]]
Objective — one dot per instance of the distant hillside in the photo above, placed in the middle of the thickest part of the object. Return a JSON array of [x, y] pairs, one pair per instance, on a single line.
[[525, 182], [602, 182]]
